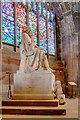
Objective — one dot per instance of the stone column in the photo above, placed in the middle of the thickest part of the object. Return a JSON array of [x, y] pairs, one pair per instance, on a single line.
[[15, 27]]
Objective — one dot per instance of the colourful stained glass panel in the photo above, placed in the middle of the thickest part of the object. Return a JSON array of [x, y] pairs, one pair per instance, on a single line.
[[33, 25], [51, 41], [52, 15], [29, 4], [35, 6], [48, 14], [24, 3], [48, 3], [39, 7], [44, 1], [21, 21], [8, 22], [42, 33], [44, 11]]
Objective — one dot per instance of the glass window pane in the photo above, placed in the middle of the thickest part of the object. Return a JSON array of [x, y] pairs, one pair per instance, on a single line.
[[35, 6], [48, 3], [52, 15], [48, 14], [21, 21], [44, 1], [29, 4], [8, 22], [51, 40], [42, 33], [44, 11], [24, 2], [33, 24], [39, 8]]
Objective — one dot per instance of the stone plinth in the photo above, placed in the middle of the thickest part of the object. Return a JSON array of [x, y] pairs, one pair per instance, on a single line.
[[34, 85]]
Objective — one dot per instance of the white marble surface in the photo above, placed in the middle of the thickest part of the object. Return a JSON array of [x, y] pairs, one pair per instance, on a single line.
[[33, 85]]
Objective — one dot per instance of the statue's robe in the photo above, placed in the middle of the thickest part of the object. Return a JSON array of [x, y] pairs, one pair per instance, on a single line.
[[34, 79], [35, 56]]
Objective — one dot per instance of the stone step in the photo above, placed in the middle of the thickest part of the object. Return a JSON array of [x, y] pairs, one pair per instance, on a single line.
[[13, 110], [53, 103]]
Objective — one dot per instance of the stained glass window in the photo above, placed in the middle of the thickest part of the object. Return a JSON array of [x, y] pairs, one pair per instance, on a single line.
[[39, 7], [48, 3], [42, 33], [44, 11], [52, 15], [33, 24], [44, 1], [29, 4], [8, 22], [48, 14], [24, 2], [21, 21], [35, 6], [51, 41]]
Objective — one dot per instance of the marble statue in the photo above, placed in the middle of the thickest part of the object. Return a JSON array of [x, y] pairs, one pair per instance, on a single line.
[[35, 57], [34, 79], [58, 89], [59, 92]]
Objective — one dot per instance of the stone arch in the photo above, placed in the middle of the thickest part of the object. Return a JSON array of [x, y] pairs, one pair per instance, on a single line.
[[69, 40]]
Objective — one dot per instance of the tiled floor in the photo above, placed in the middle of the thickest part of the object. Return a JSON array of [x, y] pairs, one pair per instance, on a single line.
[[71, 111]]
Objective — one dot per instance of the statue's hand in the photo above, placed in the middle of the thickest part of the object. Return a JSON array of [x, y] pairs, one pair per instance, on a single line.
[[53, 71], [36, 46]]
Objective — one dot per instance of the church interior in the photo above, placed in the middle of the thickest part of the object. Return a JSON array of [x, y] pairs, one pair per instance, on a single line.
[[55, 29]]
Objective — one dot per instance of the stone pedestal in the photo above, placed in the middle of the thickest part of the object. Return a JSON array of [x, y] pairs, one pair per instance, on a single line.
[[36, 85]]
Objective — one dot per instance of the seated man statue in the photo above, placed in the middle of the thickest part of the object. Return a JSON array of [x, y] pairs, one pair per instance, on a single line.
[[34, 79], [35, 57]]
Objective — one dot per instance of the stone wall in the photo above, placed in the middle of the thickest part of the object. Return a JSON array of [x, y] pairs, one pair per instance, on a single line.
[[10, 63], [69, 39], [68, 20]]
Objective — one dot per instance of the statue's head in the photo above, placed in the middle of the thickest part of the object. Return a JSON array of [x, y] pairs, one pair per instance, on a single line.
[[28, 30], [58, 83]]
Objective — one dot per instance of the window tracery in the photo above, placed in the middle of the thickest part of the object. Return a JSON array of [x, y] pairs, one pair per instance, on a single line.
[[33, 14]]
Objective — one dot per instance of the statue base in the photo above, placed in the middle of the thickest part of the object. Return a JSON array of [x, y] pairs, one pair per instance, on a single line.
[[32, 97], [36, 85]]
